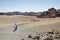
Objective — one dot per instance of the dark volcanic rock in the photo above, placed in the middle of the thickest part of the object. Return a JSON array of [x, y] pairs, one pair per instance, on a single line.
[[51, 13]]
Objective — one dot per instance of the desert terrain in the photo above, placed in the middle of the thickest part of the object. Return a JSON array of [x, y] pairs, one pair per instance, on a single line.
[[26, 25]]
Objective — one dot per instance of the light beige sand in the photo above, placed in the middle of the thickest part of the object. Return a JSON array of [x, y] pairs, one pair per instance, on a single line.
[[26, 25]]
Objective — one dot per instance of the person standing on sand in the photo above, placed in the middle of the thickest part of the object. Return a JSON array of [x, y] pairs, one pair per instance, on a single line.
[[15, 27]]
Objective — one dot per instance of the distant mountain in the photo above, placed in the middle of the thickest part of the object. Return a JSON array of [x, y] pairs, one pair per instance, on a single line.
[[50, 13]]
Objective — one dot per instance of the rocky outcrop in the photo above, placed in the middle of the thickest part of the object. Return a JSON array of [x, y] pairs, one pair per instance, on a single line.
[[51, 13], [45, 36]]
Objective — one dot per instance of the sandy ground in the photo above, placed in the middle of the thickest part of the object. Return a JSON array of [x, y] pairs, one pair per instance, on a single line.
[[26, 25]]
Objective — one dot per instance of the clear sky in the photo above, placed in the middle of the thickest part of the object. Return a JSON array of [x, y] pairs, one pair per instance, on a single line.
[[28, 5]]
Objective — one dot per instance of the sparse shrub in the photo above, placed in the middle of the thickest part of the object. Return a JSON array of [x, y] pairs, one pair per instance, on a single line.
[[22, 39], [38, 37], [48, 38], [29, 36]]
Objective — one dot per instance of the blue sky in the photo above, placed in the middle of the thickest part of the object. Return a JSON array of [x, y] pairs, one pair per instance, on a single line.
[[28, 5]]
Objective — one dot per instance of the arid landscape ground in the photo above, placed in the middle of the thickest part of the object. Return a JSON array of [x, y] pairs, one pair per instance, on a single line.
[[26, 25]]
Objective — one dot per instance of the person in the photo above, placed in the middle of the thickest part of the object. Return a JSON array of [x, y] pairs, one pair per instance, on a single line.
[[15, 27]]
